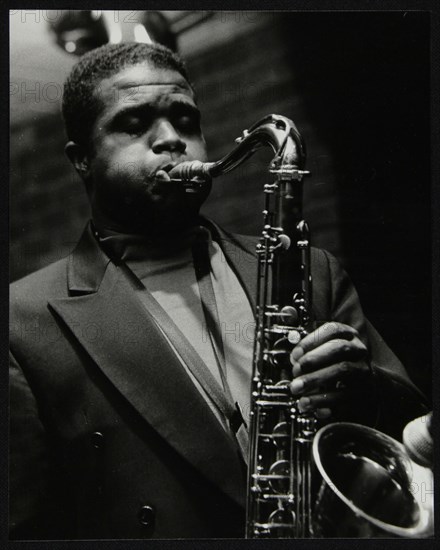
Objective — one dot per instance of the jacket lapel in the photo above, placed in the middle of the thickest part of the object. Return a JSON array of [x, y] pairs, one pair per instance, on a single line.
[[240, 253], [134, 356]]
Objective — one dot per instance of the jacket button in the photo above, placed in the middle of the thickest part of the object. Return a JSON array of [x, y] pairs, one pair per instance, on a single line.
[[146, 516], [97, 440]]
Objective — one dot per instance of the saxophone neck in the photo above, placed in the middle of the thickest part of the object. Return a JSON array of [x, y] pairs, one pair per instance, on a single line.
[[275, 131]]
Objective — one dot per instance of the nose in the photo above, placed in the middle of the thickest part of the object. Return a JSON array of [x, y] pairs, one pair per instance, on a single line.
[[165, 138]]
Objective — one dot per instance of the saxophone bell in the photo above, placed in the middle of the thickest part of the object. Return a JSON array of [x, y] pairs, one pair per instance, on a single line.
[[369, 486]]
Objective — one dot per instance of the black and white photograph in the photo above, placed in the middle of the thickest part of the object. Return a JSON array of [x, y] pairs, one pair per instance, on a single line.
[[220, 275]]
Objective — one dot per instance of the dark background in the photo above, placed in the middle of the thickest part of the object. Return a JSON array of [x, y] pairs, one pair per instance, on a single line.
[[358, 87]]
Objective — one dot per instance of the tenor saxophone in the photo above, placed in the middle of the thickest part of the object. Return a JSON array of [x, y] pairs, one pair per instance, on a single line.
[[282, 501]]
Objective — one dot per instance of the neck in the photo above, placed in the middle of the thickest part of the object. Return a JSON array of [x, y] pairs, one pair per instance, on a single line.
[[138, 246], [154, 233]]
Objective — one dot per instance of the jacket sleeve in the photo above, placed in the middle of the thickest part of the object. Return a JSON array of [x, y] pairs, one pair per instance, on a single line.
[[28, 460], [397, 400]]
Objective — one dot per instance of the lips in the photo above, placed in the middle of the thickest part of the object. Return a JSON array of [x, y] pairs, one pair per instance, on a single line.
[[161, 174]]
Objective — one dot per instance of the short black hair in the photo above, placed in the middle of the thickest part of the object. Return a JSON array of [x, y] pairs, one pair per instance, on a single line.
[[81, 105]]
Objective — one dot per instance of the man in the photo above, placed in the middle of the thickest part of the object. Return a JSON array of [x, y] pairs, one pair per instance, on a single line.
[[124, 392]]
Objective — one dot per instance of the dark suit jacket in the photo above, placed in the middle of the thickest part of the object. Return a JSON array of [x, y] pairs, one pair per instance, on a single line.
[[109, 437]]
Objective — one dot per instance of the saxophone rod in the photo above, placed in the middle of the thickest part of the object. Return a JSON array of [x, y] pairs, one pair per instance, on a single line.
[[193, 175], [277, 132]]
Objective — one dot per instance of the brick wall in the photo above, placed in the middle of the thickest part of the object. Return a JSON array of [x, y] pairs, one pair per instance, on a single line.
[[48, 206], [238, 83]]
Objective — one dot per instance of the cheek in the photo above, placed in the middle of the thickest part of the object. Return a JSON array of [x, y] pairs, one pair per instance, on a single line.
[[124, 163], [197, 149]]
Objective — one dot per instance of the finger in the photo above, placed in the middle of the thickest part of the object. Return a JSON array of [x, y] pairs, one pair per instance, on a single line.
[[313, 381], [327, 377], [319, 401], [323, 414], [324, 333], [328, 354]]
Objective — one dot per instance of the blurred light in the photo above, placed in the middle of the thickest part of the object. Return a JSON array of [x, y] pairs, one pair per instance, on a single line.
[[159, 29], [113, 27], [70, 47], [78, 31], [141, 34]]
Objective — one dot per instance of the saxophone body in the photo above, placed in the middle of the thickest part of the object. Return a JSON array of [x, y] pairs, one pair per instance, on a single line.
[[289, 459]]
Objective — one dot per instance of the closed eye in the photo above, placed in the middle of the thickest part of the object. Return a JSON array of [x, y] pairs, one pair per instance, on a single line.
[[130, 124], [188, 124], [186, 118], [133, 121]]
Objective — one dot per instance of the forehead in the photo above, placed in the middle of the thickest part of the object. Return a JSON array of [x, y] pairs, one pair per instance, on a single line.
[[140, 84]]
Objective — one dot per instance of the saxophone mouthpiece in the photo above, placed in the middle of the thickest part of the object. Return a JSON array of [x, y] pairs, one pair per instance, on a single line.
[[192, 174]]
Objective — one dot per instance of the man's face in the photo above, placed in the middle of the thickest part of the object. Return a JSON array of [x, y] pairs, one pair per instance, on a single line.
[[148, 123]]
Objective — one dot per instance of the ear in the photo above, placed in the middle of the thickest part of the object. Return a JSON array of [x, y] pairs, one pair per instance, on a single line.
[[78, 156]]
